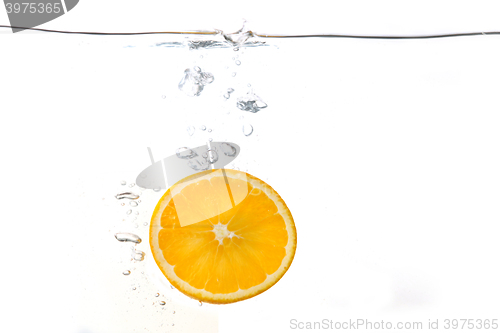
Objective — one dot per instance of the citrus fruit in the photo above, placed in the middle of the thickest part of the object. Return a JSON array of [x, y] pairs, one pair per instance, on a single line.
[[222, 236]]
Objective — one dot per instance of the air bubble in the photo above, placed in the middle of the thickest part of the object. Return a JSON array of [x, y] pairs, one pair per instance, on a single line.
[[203, 127], [228, 150], [133, 203], [185, 153], [127, 195], [157, 189], [139, 256], [127, 272], [209, 130], [131, 185], [247, 129], [157, 295], [128, 237], [123, 182], [162, 303], [129, 212], [237, 62], [190, 130], [233, 74]]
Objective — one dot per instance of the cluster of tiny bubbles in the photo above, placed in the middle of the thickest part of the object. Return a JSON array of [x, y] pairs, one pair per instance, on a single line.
[[228, 94], [133, 203], [123, 182], [247, 129], [127, 272], [190, 130]]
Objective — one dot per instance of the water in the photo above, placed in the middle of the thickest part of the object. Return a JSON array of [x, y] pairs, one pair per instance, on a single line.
[[199, 165], [127, 195], [247, 129], [133, 203], [212, 156], [138, 255], [228, 149], [157, 295], [127, 272], [128, 237], [194, 81], [251, 102], [191, 130], [162, 303], [185, 153]]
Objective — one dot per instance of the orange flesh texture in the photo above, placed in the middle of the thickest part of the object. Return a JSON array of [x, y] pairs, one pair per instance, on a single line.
[[256, 249]]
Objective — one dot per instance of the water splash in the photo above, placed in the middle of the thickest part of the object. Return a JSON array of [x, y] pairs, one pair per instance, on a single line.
[[238, 38], [194, 81], [128, 237]]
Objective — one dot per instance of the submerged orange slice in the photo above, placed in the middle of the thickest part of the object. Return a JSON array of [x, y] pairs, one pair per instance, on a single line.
[[222, 236]]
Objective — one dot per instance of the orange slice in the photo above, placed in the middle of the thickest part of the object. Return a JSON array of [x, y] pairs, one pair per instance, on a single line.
[[222, 236]]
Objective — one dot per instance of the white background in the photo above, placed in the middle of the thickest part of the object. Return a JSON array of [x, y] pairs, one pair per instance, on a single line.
[[386, 152]]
